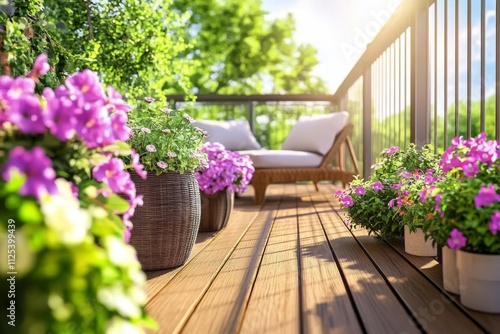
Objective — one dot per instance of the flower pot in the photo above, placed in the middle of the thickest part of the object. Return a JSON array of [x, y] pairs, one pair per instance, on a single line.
[[479, 276], [450, 272], [215, 210], [166, 226], [415, 243]]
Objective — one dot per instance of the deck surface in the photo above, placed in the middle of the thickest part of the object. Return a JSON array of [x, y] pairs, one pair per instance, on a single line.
[[292, 266]]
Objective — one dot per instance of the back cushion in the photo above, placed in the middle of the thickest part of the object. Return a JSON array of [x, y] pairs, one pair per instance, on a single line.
[[315, 133], [234, 135]]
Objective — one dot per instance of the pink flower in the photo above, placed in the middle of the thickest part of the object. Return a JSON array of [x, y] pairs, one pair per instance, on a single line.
[[162, 164], [377, 186], [138, 167], [390, 204], [347, 201], [457, 240], [166, 131], [151, 148], [145, 130], [360, 191], [391, 150], [149, 99], [166, 110], [495, 223], [40, 67], [171, 154], [486, 196]]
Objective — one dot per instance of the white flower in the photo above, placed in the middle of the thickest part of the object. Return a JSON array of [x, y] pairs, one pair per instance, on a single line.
[[120, 253], [120, 326], [114, 298], [62, 214]]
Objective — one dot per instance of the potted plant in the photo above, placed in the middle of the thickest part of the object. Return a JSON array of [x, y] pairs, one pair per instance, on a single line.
[[167, 144], [225, 173], [63, 225], [375, 204], [465, 217]]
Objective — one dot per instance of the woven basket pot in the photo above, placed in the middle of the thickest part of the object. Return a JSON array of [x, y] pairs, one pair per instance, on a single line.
[[166, 226], [215, 210]]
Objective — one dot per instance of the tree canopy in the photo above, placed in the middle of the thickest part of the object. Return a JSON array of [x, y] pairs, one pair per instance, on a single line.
[[178, 46]]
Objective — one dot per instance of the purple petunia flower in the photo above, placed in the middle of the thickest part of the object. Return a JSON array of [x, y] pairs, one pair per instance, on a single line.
[[40, 67], [115, 101], [347, 201], [36, 166], [360, 191], [494, 225], [390, 204], [377, 186], [60, 122], [470, 167], [26, 112], [339, 193], [457, 239], [150, 148], [486, 196], [119, 128], [391, 150], [113, 174], [136, 163], [87, 85]]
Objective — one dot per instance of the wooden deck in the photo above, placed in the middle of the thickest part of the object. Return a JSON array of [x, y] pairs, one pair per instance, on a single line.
[[291, 266]]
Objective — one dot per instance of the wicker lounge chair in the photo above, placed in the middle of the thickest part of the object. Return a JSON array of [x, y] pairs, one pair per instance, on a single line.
[[265, 176]]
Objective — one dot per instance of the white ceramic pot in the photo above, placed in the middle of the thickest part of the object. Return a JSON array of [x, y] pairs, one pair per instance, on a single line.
[[479, 276], [450, 271], [415, 243]]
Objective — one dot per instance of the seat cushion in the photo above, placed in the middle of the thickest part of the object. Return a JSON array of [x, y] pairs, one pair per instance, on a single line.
[[315, 133], [234, 135], [283, 158]]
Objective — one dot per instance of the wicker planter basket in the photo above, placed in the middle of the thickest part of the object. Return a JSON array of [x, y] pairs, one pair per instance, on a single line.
[[215, 210], [166, 226]]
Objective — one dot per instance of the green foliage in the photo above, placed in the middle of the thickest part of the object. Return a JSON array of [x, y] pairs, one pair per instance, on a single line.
[[379, 203], [27, 34], [135, 45], [165, 139], [238, 51]]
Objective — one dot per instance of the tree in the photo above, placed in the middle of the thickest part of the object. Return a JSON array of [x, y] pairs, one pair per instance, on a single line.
[[135, 45], [240, 52]]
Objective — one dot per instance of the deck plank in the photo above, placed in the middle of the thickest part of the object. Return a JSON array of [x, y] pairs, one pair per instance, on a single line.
[[326, 304], [435, 312], [157, 279], [274, 302], [379, 308], [173, 305], [433, 271], [225, 301]]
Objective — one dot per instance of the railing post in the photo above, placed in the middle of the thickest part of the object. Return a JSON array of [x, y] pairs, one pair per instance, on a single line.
[[251, 116], [367, 121], [420, 114]]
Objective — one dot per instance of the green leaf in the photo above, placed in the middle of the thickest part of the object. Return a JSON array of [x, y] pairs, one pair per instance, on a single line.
[[116, 204]]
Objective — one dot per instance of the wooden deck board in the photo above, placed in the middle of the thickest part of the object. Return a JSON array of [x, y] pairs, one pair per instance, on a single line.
[[274, 303], [291, 266], [326, 304], [380, 310]]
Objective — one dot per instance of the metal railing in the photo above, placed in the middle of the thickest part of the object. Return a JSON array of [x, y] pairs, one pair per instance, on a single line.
[[430, 74]]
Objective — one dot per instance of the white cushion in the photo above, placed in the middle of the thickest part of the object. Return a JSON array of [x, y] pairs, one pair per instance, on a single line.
[[283, 158], [315, 133], [234, 135]]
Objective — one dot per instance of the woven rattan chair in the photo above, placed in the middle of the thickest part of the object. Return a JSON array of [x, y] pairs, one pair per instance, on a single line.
[[265, 176]]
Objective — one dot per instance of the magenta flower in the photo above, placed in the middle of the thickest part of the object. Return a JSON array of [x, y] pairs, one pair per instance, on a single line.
[[396, 186], [495, 223], [87, 85], [113, 174], [347, 201], [391, 150], [36, 166], [390, 204], [41, 67], [150, 148], [360, 191], [115, 101], [162, 164], [119, 128], [58, 120], [339, 193], [457, 240], [347, 223], [377, 186], [486, 196], [26, 112], [470, 167], [136, 163]]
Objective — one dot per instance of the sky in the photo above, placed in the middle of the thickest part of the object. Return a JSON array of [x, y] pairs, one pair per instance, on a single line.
[[338, 29]]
